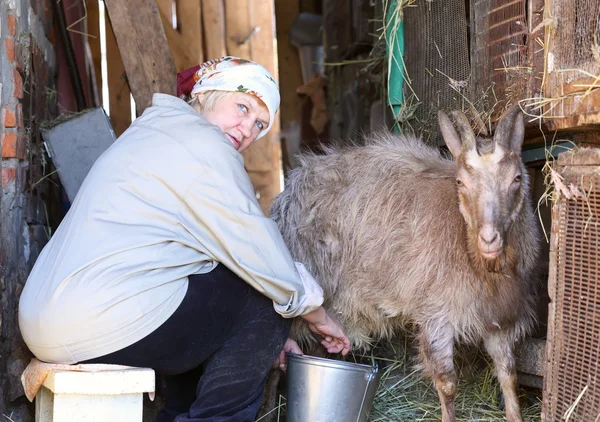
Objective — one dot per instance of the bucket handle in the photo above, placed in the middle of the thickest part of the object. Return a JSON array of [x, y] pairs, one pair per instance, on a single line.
[[372, 375]]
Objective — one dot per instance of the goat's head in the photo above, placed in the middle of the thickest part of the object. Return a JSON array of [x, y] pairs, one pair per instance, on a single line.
[[491, 179]]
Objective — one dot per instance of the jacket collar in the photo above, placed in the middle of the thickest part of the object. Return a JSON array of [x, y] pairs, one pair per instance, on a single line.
[[166, 100]]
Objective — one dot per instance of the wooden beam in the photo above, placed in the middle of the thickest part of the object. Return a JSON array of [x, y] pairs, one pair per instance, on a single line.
[[118, 90], [213, 22], [289, 64], [238, 28], [181, 57], [184, 49], [93, 30], [289, 61], [144, 49], [262, 50], [250, 34], [189, 19]]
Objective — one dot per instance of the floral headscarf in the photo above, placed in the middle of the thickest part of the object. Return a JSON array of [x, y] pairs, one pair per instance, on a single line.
[[232, 74]]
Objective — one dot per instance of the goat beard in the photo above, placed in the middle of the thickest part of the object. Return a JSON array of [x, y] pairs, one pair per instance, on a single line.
[[495, 265]]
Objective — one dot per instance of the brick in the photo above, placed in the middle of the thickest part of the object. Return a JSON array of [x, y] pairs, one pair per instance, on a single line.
[[18, 84], [13, 145], [9, 175], [19, 113], [21, 51], [12, 25], [9, 45], [9, 116]]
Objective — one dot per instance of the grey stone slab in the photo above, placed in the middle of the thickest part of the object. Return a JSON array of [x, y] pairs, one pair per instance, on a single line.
[[75, 144]]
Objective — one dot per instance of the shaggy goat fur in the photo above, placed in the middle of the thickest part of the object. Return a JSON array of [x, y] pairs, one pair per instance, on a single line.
[[380, 226]]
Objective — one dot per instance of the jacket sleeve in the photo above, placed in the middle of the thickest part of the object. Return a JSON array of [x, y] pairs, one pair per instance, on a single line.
[[222, 214]]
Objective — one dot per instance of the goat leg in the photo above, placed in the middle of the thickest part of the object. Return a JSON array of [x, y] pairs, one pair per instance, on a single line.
[[436, 349], [499, 346]]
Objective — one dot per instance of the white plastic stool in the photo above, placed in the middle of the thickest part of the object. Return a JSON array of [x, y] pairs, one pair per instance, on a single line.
[[113, 395]]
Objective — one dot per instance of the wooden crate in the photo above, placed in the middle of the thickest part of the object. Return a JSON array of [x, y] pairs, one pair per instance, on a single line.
[[572, 77], [572, 374], [506, 54]]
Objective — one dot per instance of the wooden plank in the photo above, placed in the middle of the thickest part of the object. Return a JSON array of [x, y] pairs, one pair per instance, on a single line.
[[118, 90], [238, 28], [189, 19], [181, 57], [165, 7], [266, 184], [289, 64], [182, 49], [571, 72], [213, 22], [144, 49], [263, 51], [250, 34], [337, 26], [93, 30]]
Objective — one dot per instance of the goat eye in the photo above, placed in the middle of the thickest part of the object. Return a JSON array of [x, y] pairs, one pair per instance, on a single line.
[[459, 183], [517, 179]]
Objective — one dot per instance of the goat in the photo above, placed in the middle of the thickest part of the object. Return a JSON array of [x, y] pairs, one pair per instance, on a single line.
[[394, 231]]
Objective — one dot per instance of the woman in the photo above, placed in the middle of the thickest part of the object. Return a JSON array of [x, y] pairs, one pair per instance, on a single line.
[[165, 259]]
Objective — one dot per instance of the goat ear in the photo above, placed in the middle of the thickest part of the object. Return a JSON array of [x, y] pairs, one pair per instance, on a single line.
[[464, 130], [449, 133], [510, 131]]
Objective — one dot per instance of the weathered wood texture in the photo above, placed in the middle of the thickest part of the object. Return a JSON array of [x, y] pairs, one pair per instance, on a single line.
[[337, 21], [93, 30], [118, 89], [153, 51], [506, 53], [572, 77], [250, 34], [189, 25], [289, 65], [213, 21], [185, 40], [144, 49]]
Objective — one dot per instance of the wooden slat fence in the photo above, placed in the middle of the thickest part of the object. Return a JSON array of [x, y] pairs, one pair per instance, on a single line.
[[198, 30]]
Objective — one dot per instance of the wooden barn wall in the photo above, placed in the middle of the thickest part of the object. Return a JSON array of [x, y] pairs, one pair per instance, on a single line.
[[195, 30]]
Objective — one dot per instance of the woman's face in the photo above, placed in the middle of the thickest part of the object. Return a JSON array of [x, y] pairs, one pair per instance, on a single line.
[[241, 117]]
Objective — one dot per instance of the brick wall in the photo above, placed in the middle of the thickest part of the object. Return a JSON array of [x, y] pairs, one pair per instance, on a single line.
[[27, 74]]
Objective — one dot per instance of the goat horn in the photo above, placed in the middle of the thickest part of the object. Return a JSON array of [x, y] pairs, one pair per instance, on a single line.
[[464, 129]]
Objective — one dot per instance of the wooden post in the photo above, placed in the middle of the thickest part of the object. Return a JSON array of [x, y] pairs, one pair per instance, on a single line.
[[144, 49], [93, 30], [213, 22], [185, 44], [118, 90], [250, 34], [189, 18], [289, 62]]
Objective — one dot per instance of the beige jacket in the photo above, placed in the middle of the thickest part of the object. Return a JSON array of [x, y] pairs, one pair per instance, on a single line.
[[168, 199]]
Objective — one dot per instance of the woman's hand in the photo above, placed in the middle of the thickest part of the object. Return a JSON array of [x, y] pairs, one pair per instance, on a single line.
[[329, 328], [289, 346]]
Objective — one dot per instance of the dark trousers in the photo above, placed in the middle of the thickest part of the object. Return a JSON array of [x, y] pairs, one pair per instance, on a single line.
[[214, 353]]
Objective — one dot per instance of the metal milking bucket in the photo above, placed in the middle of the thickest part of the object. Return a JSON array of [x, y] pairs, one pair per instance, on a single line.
[[326, 390]]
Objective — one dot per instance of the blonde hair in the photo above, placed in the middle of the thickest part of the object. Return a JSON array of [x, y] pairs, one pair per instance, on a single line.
[[209, 101]]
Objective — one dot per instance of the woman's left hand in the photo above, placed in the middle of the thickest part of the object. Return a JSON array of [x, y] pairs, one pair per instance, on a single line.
[[289, 346]]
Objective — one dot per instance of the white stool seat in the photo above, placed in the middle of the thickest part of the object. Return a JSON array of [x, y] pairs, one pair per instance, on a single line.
[[106, 395]]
